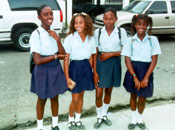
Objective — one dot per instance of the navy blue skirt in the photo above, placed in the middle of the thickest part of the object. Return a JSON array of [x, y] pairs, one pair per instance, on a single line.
[[48, 80], [140, 69], [109, 72], [81, 73]]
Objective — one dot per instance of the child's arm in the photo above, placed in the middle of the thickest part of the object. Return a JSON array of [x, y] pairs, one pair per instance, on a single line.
[[96, 78], [70, 83], [144, 82], [43, 60], [132, 72], [57, 38], [107, 55]]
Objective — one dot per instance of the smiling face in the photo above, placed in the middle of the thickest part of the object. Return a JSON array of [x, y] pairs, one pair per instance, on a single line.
[[109, 19], [79, 24], [141, 26], [46, 17]]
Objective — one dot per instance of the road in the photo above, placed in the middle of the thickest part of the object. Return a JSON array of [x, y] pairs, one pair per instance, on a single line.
[[17, 104]]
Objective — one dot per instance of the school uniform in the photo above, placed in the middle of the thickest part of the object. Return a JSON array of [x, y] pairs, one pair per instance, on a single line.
[[141, 53], [109, 71], [48, 80], [80, 70]]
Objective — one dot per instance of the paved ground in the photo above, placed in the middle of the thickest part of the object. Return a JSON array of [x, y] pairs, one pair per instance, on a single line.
[[17, 104], [156, 118]]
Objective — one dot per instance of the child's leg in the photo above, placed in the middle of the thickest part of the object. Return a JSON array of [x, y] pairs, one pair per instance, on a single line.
[[99, 108], [40, 112], [141, 107], [133, 105], [107, 100], [73, 105], [79, 107], [133, 101], [99, 102], [54, 108]]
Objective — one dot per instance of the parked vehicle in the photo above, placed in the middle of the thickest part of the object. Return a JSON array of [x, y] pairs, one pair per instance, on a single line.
[[161, 11], [18, 18]]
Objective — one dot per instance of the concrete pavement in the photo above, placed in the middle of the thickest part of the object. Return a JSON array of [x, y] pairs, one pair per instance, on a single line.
[[160, 117]]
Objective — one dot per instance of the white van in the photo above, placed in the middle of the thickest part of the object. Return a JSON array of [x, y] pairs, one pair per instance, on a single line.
[[18, 19]]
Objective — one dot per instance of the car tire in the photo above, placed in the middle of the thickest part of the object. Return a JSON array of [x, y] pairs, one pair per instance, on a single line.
[[21, 39]]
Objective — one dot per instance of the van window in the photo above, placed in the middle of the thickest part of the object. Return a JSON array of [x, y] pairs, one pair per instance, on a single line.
[[158, 7], [20, 5], [173, 6]]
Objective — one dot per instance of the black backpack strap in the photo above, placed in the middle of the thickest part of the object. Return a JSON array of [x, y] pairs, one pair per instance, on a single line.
[[99, 33], [119, 34]]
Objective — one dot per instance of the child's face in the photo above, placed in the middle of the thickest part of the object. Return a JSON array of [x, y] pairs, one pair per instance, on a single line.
[[46, 16], [79, 24], [141, 26], [109, 19]]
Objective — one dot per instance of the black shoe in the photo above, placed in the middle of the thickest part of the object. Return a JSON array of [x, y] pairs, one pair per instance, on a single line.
[[71, 125], [107, 121], [131, 126], [55, 128], [98, 123], [80, 125], [142, 126]]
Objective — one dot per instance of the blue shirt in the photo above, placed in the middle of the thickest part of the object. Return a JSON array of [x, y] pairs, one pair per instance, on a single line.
[[43, 43], [143, 50], [77, 49], [110, 43]]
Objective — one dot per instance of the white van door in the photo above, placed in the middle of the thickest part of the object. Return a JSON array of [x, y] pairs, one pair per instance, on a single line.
[[2, 34]]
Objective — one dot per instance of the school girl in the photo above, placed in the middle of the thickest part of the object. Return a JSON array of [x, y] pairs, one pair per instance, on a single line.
[[80, 46], [141, 53], [109, 40], [48, 79]]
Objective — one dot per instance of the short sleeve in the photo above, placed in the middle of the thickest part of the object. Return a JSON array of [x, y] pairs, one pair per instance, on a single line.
[[126, 50], [123, 36], [67, 44], [35, 42], [156, 50]]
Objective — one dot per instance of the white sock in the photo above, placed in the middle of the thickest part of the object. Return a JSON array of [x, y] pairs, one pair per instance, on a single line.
[[54, 121], [77, 117], [39, 124], [134, 117], [71, 119], [99, 112], [105, 109], [139, 118]]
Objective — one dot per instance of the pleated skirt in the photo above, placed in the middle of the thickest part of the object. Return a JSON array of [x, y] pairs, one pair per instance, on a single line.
[[140, 69], [109, 72], [48, 80], [80, 72]]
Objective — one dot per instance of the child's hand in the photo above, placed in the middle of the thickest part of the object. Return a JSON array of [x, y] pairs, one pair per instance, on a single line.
[[60, 56], [71, 84], [104, 56], [144, 83], [96, 79], [137, 83], [54, 35]]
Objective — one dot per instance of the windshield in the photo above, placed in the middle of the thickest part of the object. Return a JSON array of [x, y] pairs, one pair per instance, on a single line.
[[137, 6]]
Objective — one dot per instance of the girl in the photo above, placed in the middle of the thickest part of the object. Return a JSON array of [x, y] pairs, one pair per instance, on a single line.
[[79, 46], [141, 53], [48, 79], [109, 39]]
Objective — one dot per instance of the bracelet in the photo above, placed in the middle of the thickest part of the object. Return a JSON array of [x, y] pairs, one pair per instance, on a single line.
[[134, 75], [55, 57]]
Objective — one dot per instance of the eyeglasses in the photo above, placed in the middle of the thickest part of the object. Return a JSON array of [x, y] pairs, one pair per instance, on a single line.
[[82, 13]]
